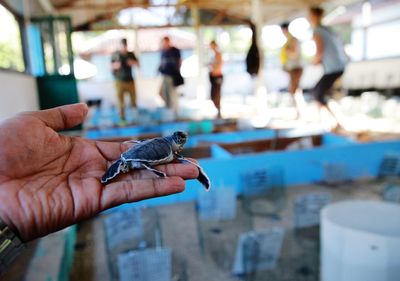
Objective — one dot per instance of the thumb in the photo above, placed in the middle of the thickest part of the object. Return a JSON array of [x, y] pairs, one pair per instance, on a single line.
[[63, 117]]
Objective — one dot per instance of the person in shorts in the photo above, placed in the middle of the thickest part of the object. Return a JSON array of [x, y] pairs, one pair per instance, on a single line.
[[122, 62], [330, 53], [291, 61]]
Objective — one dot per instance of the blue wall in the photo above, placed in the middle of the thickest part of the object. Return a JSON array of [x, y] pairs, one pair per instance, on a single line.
[[300, 167], [226, 137]]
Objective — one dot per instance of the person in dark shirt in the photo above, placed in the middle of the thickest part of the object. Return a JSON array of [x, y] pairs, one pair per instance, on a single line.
[[122, 62], [170, 69]]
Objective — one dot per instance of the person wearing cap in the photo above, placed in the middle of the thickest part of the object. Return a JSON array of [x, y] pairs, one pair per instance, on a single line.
[[122, 62]]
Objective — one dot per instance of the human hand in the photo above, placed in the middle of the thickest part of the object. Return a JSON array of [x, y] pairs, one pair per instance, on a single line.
[[316, 60], [116, 65], [49, 181], [131, 62]]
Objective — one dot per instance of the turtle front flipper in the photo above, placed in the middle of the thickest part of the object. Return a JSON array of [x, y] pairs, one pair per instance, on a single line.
[[134, 141], [202, 178], [112, 171]]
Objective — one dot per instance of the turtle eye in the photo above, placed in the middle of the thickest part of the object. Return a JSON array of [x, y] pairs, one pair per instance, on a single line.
[[183, 135], [180, 137]]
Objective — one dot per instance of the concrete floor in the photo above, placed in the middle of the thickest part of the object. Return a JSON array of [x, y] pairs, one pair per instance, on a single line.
[[204, 250]]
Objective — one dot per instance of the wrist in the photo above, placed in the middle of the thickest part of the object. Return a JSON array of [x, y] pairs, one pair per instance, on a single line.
[[11, 224], [10, 246]]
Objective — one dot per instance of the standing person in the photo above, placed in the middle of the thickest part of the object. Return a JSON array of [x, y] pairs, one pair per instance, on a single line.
[[330, 53], [122, 62], [291, 61], [170, 69], [216, 76]]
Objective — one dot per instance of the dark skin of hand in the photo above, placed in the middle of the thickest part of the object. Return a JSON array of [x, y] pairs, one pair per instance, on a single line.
[[49, 181]]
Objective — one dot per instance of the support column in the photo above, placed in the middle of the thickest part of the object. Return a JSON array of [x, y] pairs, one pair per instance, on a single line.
[[25, 36], [260, 89], [257, 19], [133, 34], [366, 22], [136, 48], [200, 87]]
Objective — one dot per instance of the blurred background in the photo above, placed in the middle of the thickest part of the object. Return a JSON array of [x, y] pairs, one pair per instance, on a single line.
[[273, 166]]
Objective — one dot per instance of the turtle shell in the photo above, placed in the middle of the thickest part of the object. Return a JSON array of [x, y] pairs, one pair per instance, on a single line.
[[154, 151]]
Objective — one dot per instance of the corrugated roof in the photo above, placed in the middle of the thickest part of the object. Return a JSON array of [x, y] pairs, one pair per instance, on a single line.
[[85, 12], [102, 14]]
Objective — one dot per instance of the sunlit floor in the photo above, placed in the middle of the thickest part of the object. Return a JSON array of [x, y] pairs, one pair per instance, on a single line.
[[370, 113]]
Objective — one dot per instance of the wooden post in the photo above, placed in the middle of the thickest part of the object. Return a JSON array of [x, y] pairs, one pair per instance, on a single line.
[[366, 21], [257, 19], [25, 39], [68, 31], [200, 91], [136, 47]]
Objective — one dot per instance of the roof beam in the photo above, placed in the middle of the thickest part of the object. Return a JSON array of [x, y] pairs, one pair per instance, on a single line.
[[210, 4], [112, 5], [66, 5], [240, 10], [218, 18]]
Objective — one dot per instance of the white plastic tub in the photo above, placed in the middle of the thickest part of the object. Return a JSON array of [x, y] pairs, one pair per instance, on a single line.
[[360, 241]]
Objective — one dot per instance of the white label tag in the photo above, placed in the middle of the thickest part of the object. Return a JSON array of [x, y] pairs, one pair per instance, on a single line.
[[258, 250], [392, 193], [123, 226], [307, 208], [145, 265], [218, 204]]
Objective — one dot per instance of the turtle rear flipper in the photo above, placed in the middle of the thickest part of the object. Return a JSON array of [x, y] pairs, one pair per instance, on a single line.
[[157, 172], [202, 178], [112, 172]]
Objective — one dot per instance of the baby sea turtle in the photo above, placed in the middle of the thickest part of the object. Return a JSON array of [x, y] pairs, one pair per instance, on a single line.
[[148, 153]]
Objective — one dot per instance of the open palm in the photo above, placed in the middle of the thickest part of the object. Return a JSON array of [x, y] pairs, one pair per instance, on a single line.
[[49, 181]]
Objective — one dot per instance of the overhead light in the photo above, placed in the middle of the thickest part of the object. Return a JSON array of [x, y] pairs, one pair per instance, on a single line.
[[300, 28], [273, 37], [163, 2], [225, 38]]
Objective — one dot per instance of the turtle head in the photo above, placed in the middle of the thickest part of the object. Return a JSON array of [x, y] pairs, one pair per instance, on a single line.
[[179, 139]]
